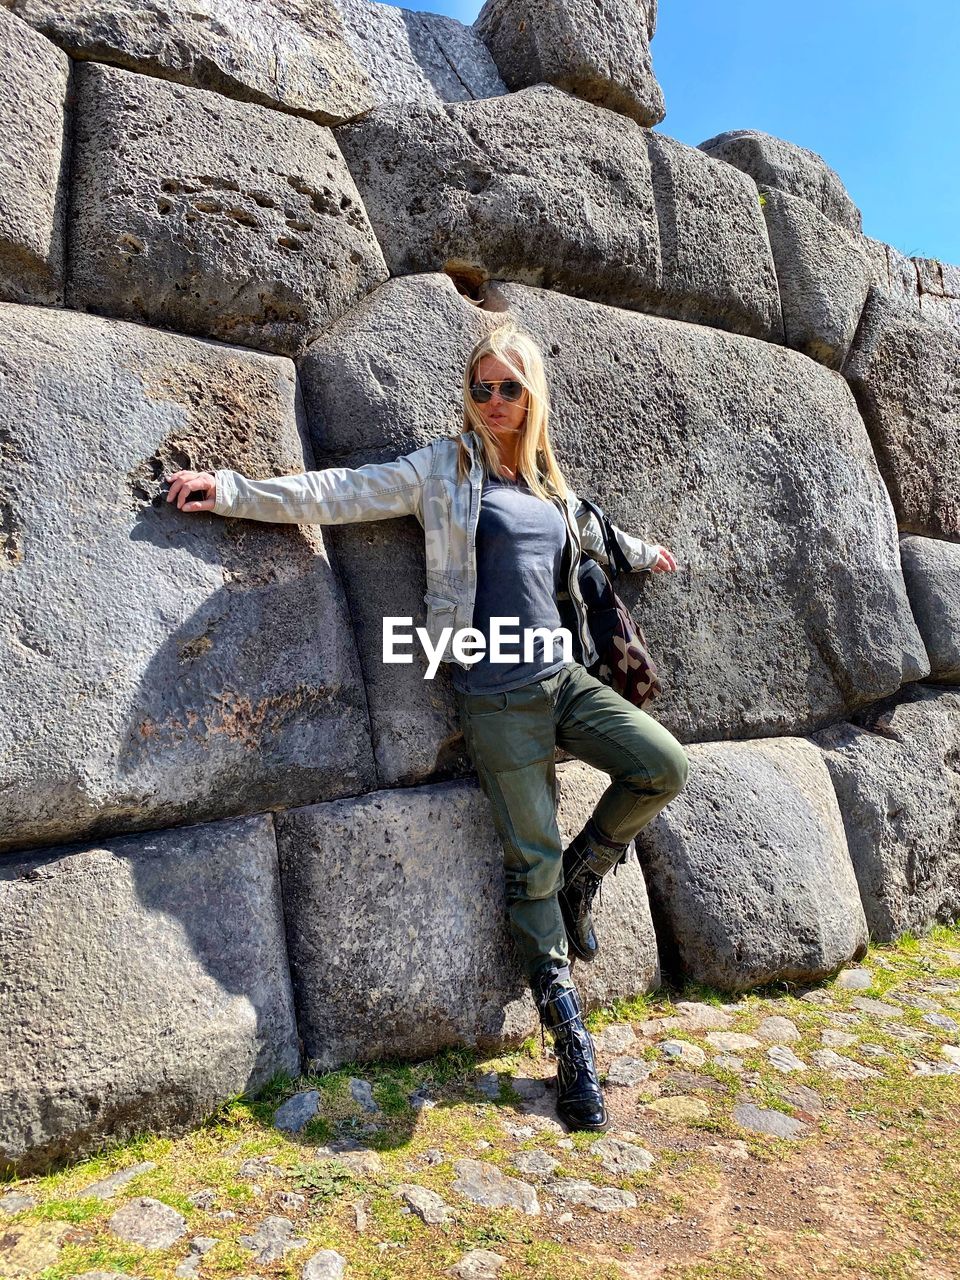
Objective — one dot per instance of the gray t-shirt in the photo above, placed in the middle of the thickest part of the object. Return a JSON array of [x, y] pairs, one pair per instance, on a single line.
[[520, 542]]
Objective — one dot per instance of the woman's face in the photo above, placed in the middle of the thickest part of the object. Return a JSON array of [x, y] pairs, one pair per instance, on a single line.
[[504, 418]]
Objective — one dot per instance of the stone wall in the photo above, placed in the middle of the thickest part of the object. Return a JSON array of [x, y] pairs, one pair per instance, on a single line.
[[264, 235]]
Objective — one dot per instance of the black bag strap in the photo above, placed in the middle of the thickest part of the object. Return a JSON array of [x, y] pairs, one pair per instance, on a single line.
[[617, 562]]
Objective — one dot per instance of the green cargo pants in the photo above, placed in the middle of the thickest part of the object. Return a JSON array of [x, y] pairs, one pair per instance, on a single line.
[[511, 739]]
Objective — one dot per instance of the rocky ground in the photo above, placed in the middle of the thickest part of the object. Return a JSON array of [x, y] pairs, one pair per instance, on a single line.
[[784, 1134]]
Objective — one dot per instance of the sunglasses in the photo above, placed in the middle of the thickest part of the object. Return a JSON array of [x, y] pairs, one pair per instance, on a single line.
[[509, 389]]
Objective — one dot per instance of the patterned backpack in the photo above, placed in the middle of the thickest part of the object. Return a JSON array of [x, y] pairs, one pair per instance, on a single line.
[[625, 662]]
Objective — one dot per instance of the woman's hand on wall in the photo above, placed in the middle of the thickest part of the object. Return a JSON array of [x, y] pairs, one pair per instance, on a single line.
[[664, 563], [192, 490]]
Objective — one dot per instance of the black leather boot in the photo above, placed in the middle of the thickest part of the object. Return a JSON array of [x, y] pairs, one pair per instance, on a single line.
[[583, 869], [580, 1102]]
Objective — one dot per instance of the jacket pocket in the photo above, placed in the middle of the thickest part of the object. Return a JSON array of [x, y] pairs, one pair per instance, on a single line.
[[441, 613]]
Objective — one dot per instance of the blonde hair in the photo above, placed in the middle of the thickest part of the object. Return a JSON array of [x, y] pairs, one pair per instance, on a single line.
[[536, 461]]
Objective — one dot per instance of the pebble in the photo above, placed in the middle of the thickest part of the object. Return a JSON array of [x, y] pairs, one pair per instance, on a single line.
[[832, 1039], [272, 1239], [629, 1071], [622, 1158], [816, 996], [694, 1015], [489, 1085], [765, 1120], [920, 1067], [485, 1185], [729, 1061], [879, 1008], [854, 979], [778, 1030], [906, 1033], [616, 1039], [297, 1112], [566, 1143], [565, 1217], [784, 1059], [951, 1052], [680, 1051], [420, 1099], [361, 1091], [478, 1264], [874, 1051], [199, 1245], [259, 1167], [679, 1108], [204, 1199], [941, 1021], [519, 1131], [735, 1149], [923, 1003], [363, 1163], [426, 1204], [108, 1187], [432, 1155], [528, 1089], [603, 1199], [28, 1248], [289, 1201], [16, 1202], [804, 1098], [325, 1265], [537, 1164], [840, 1067], [149, 1223], [841, 1019], [732, 1041]]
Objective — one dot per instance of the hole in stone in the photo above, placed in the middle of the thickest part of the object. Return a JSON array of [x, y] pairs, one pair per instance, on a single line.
[[469, 281], [289, 242]]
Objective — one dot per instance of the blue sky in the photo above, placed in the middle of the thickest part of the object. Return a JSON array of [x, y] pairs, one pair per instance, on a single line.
[[871, 85]]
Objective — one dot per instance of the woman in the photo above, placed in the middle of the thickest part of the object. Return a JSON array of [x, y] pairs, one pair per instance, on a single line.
[[503, 530]]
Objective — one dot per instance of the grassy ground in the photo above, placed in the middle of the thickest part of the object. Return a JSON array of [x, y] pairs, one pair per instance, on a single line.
[[870, 1193]]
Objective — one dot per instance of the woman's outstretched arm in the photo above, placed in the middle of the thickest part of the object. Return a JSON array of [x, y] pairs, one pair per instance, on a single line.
[[337, 495]]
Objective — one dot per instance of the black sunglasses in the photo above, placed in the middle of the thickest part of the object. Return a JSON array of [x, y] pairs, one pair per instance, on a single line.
[[509, 389]]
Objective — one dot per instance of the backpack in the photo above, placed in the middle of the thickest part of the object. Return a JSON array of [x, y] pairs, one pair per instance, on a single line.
[[624, 662]]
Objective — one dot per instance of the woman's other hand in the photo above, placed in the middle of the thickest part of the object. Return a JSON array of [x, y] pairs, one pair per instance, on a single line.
[[192, 490], [664, 563]]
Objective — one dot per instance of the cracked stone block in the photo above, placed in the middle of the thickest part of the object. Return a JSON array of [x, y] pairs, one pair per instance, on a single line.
[[418, 57], [219, 218], [562, 43], [903, 371], [895, 775], [931, 570], [157, 667], [537, 186], [748, 871], [151, 1005], [824, 276], [291, 54], [32, 149], [428, 962], [772, 162]]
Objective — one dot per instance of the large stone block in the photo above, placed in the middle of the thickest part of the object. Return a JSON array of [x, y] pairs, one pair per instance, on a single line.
[[32, 100], [904, 372], [715, 257], [895, 774], [414, 57], [563, 43], [931, 570], [228, 220], [537, 186], [824, 275], [427, 961], [772, 162], [748, 871], [157, 668], [292, 54], [713, 445], [145, 981], [396, 926]]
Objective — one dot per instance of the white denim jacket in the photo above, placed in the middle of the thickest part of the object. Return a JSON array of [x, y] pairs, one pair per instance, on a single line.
[[422, 484]]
